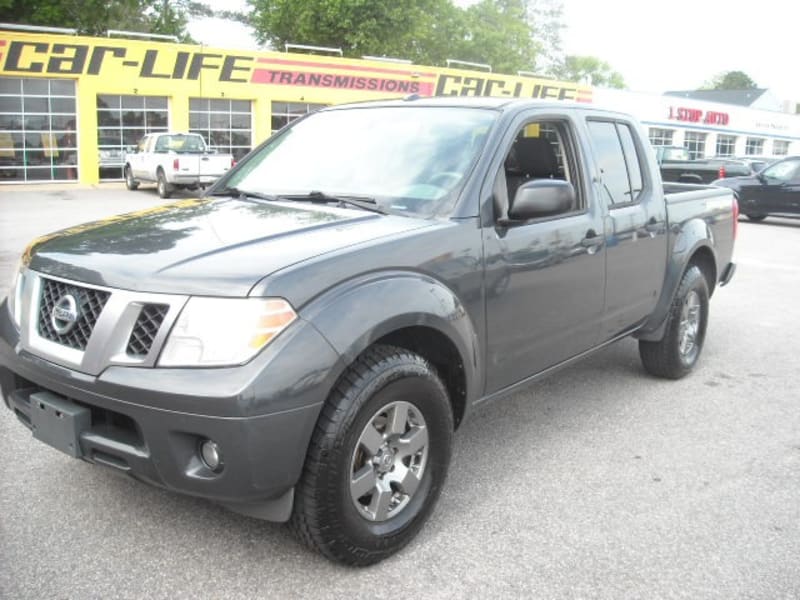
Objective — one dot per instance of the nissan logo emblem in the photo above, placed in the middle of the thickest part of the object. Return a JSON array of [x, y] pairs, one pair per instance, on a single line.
[[65, 314]]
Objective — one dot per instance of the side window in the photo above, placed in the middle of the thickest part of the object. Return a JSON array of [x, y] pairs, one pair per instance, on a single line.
[[783, 171], [631, 160], [142, 145], [541, 150], [622, 179]]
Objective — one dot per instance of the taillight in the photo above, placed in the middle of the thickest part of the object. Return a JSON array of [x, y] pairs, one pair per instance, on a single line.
[[233, 162], [721, 172], [735, 217], [176, 164]]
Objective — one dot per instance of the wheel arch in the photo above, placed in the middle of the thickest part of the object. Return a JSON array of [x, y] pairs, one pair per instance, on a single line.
[[690, 178], [704, 259], [439, 350], [692, 247], [409, 311]]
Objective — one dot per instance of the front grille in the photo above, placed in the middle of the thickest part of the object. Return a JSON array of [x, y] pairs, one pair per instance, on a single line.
[[89, 302], [144, 332]]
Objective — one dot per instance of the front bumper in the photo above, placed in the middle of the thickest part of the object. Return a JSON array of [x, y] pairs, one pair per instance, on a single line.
[[149, 422]]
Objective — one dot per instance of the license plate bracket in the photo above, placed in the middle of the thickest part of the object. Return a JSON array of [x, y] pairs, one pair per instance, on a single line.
[[59, 422]]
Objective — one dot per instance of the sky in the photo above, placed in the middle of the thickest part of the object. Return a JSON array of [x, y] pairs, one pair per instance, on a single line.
[[657, 45]]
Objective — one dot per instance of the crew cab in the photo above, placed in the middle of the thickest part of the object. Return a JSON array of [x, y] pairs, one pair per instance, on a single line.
[[301, 343], [174, 161], [773, 191]]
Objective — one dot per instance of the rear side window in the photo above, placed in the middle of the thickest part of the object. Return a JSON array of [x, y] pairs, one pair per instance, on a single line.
[[617, 159], [631, 160]]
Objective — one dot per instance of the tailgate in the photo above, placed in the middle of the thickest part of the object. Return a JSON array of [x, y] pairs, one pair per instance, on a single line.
[[214, 165], [188, 165]]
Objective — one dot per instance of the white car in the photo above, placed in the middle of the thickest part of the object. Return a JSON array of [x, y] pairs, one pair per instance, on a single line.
[[174, 161]]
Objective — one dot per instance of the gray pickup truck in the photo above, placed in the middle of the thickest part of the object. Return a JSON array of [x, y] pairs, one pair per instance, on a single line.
[[300, 344]]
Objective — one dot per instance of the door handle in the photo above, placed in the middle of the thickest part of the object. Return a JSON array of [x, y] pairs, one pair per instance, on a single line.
[[592, 241], [652, 227], [204, 158]]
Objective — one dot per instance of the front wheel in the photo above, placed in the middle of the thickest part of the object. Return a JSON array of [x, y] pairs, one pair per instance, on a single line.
[[756, 217], [377, 460], [677, 352], [164, 188]]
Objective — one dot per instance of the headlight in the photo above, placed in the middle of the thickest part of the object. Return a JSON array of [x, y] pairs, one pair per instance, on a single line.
[[15, 297], [224, 331]]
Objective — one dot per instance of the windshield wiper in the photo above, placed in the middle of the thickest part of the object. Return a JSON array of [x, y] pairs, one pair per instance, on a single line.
[[236, 192], [362, 202]]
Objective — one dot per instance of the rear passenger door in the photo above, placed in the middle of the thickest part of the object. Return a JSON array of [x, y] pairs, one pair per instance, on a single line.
[[635, 227]]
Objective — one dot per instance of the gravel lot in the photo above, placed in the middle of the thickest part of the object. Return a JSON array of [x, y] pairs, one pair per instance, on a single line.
[[598, 482]]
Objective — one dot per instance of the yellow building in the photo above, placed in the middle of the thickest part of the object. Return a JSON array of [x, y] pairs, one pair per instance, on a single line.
[[70, 105]]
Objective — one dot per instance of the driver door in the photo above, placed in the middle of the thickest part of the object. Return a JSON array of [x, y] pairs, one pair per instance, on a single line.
[[544, 278], [781, 193], [137, 160]]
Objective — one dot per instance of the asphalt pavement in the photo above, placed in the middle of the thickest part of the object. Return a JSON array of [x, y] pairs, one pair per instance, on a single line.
[[597, 482]]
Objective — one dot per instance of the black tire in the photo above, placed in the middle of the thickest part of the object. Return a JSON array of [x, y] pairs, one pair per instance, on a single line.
[[164, 188], [756, 217], [130, 182], [326, 516], [669, 357]]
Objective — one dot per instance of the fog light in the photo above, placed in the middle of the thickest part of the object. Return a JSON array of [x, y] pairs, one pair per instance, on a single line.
[[211, 455]]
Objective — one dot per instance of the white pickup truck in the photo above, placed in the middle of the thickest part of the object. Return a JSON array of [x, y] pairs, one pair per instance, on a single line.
[[174, 161]]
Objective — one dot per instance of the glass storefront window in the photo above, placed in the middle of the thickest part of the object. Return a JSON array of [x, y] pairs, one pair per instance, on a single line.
[[726, 145], [226, 125], [38, 133], [284, 113], [122, 121], [660, 137], [695, 143]]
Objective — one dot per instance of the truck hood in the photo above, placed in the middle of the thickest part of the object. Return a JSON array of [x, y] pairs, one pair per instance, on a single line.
[[214, 247]]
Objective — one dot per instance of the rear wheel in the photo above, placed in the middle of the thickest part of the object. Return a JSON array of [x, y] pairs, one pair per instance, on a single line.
[[677, 352], [377, 459], [130, 182], [164, 188]]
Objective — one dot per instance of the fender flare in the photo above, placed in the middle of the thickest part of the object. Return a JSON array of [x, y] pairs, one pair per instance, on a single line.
[[694, 236], [357, 313]]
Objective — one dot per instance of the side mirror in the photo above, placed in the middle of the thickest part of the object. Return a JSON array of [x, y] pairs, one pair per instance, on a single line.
[[542, 198]]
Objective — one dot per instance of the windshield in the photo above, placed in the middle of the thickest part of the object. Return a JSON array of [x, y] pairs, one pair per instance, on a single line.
[[180, 143], [408, 159], [674, 154]]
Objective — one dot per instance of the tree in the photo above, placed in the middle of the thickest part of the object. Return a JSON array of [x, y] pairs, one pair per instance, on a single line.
[[497, 33], [507, 34], [95, 17], [546, 20], [732, 80], [588, 69], [379, 27]]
